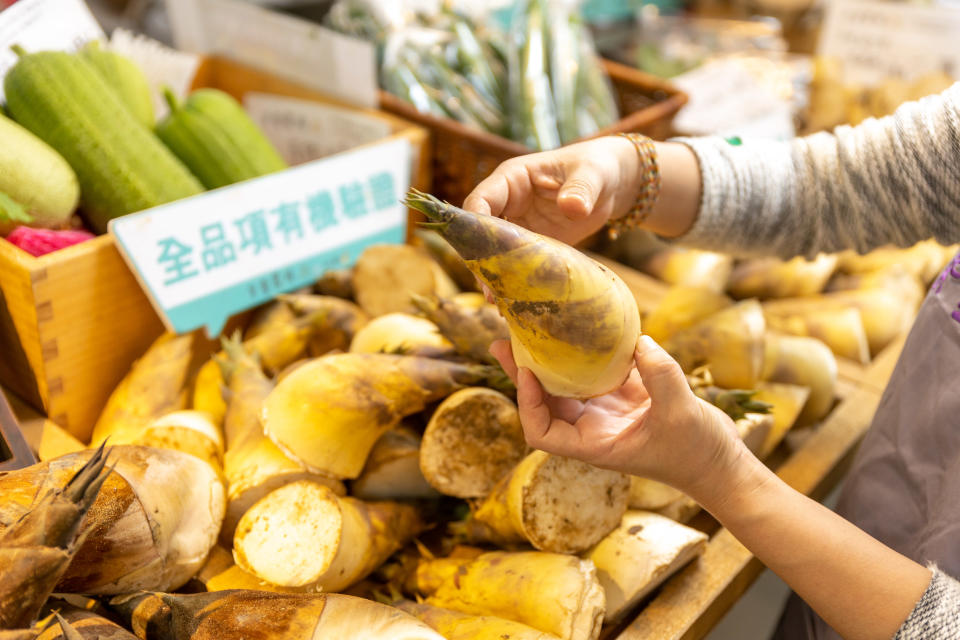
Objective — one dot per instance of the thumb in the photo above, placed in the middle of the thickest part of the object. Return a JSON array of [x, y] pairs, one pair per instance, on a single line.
[[580, 191], [661, 375]]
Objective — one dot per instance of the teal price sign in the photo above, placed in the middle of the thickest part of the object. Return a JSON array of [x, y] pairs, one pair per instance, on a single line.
[[203, 259]]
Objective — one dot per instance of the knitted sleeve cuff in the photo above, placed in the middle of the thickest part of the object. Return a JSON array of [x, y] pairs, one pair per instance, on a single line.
[[937, 614]]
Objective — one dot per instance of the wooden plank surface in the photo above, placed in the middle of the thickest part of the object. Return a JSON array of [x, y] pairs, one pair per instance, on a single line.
[[692, 602]]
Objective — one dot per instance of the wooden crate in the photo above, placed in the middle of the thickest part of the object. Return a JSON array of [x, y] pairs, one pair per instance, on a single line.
[[463, 156], [72, 322]]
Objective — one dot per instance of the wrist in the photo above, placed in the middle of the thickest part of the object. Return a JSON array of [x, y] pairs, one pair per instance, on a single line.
[[642, 183], [731, 480]]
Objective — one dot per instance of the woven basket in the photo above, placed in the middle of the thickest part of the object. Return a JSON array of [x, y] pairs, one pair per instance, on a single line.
[[463, 156]]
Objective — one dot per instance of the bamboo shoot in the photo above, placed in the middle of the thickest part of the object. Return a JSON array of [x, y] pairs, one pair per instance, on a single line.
[[473, 439]]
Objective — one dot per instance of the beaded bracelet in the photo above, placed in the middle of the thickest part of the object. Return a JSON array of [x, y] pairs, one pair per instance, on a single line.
[[649, 186]]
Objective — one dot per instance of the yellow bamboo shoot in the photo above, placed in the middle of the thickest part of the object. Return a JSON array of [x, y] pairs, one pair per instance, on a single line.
[[554, 503], [473, 439], [303, 534], [555, 593]]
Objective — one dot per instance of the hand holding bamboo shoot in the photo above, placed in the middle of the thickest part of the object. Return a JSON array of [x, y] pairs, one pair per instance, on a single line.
[[572, 321]]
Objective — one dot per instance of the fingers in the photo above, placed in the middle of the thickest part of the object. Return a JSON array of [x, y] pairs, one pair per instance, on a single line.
[[661, 375], [490, 197], [501, 350], [541, 429], [580, 191]]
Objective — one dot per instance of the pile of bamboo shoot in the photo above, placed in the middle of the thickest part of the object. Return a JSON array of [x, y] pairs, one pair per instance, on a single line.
[[351, 441]]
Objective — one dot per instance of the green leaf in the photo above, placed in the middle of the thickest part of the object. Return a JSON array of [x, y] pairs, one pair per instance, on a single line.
[[13, 211]]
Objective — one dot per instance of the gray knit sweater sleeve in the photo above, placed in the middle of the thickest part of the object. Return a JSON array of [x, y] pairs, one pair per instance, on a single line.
[[937, 615], [892, 180]]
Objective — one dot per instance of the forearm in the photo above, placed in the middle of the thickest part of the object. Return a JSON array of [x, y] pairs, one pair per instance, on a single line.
[[893, 180], [862, 588]]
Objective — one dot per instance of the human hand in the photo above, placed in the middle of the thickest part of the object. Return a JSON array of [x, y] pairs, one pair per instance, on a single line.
[[568, 193], [652, 426]]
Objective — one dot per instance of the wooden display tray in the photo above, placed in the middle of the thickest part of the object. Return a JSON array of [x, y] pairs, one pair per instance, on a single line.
[[72, 322]]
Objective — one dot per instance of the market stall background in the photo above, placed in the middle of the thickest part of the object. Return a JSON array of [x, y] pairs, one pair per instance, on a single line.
[[837, 322]]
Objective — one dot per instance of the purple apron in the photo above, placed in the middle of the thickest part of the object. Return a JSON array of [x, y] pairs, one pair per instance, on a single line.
[[904, 486]]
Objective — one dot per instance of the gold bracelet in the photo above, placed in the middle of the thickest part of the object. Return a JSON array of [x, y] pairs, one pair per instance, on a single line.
[[649, 186]]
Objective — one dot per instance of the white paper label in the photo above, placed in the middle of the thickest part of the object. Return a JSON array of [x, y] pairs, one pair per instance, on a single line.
[[303, 130], [205, 258], [289, 47], [38, 25], [880, 40], [726, 99]]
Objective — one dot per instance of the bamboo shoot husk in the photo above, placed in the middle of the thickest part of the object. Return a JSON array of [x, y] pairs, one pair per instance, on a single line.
[[681, 308], [337, 321], [39, 540], [924, 260], [84, 625], [649, 494], [151, 526], [393, 470], [775, 278], [556, 504], [337, 283], [840, 329], [555, 593], [302, 534], [237, 614], [729, 342], [404, 334], [448, 258], [474, 438], [220, 573], [471, 331], [886, 314], [639, 556], [429, 574], [329, 413], [386, 275], [268, 317], [473, 300], [207, 391], [787, 402], [690, 268], [806, 362], [155, 386], [454, 625]]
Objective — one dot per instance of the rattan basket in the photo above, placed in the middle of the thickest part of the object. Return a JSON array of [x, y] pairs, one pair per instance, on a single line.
[[463, 156]]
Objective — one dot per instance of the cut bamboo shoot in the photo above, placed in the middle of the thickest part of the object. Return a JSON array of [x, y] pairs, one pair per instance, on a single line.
[[681, 308], [302, 534], [556, 504], [473, 439], [787, 402], [386, 275]]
